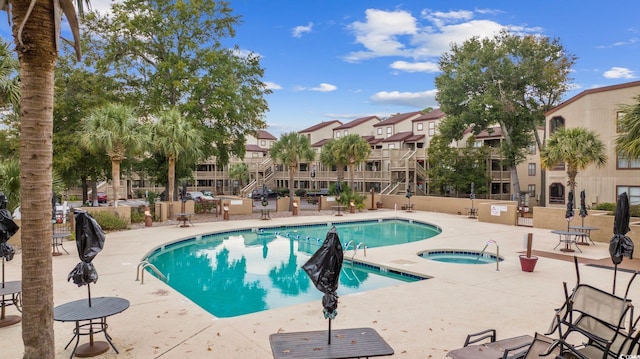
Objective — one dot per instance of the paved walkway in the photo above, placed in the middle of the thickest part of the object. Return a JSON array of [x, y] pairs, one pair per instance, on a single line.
[[419, 320]]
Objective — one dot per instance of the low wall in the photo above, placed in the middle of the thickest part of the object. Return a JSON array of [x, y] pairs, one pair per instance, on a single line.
[[238, 205], [554, 218]]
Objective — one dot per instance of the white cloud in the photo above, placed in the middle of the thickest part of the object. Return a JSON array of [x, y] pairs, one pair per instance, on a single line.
[[102, 6], [324, 87], [399, 33], [379, 33], [619, 73], [413, 99], [415, 66], [299, 30], [620, 43], [272, 85]]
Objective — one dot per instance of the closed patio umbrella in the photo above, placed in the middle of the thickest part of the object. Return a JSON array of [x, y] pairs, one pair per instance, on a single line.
[[569, 214], [324, 270], [7, 229], [620, 244], [90, 241], [583, 206]]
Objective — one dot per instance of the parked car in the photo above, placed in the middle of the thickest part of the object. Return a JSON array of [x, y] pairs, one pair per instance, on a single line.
[[257, 194], [101, 197], [198, 196]]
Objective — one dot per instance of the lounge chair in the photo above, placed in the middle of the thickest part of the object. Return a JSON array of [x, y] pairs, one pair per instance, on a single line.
[[510, 348]]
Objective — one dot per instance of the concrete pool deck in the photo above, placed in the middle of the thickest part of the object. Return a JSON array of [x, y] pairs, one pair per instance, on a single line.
[[423, 319]]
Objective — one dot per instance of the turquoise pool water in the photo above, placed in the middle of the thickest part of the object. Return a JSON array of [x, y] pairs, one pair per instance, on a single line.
[[241, 272], [459, 257]]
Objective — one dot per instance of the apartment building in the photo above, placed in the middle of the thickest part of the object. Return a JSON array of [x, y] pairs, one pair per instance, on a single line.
[[598, 110]]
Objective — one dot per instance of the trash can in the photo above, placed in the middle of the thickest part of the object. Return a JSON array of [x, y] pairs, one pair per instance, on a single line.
[[295, 208], [147, 217], [225, 211], [352, 207]]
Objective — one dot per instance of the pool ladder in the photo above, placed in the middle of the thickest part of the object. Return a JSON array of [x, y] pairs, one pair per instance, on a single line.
[[491, 241], [355, 249], [141, 268]]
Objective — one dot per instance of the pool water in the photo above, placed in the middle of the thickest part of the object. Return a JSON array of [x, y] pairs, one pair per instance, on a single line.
[[460, 257], [242, 272]]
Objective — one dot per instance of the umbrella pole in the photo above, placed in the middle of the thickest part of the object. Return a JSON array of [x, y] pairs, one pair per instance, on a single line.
[[89, 292], [329, 338], [615, 272]]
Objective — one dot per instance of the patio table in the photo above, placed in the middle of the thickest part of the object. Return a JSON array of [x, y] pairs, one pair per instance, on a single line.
[[567, 238], [345, 343], [96, 315], [587, 230], [13, 289]]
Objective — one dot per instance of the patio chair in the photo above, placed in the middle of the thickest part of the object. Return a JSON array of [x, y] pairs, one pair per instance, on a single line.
[[596, 319]]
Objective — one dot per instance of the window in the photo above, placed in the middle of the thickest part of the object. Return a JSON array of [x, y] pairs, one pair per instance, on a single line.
[[419, 126], [389, 131], [392, 146], [263, 143], [628, 163], [532, 190], [346, 132], [379, 130], [432, 128], [532, 169], [619, 117], [632, 191], [555, 124], [337, 134], [477, 144], [556, 193], [532, 149]]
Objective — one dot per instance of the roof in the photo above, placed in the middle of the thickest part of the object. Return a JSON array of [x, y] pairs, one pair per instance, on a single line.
[[255, 148], [373, 140], [592, 91], [400, 136], [493, 132], [433, 115], [414, 138], [397, 118], [264, 135], [321, 142], [321, 125], [356, 122]]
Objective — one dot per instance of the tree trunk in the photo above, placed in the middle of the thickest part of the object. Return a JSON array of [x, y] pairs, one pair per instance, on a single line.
[[115, 180], [292, 170], [172, 181], [352, 176], [37, 57]]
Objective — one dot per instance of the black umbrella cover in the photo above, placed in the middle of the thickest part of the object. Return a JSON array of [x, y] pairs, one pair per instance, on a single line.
[[569, 214], [409, 194], [621, 245], [90, 241], [583, 204], [324, 270], [7, 229]]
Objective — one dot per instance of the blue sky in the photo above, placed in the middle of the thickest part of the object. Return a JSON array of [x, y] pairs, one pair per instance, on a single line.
[[341, 60]]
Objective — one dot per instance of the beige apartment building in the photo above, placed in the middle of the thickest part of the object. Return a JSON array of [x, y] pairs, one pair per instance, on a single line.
[[399, 155], [598, 110]]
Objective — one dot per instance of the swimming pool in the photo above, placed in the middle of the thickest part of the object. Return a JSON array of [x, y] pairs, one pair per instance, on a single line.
[[246, 271], [460, 256]]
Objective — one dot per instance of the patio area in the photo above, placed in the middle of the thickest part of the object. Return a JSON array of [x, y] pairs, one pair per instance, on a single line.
[[418, 320]]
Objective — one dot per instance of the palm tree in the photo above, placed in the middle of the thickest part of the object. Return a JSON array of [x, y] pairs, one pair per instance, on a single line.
[[9, 83], [114, 129], [628, 142], [331, 156], [175, 136], [577, 148], [37, 55], [239, 172], [291, 150], [354, 150]]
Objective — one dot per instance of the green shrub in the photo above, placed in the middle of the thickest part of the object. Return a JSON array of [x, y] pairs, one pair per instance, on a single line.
[[634, 210], [110, 221], [204, 207], [137, 215], [605, 206]]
